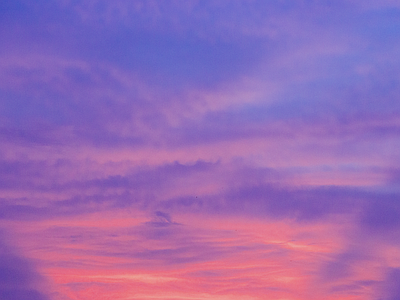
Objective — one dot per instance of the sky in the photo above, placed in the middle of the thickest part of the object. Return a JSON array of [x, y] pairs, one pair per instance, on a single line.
[[199, 150]]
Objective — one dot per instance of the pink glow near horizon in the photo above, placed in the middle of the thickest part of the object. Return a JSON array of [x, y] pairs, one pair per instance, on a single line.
[[103, 256]]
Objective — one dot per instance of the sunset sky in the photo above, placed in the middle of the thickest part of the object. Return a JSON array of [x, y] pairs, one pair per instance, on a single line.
[[190, 150]]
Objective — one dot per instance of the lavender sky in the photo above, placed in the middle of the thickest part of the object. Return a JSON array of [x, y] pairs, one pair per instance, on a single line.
[[196, 150]]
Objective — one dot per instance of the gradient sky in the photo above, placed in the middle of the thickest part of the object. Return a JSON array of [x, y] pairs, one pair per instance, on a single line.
[[190, 150]]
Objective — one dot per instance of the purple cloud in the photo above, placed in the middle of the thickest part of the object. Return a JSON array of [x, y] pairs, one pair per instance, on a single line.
[[18, 279], [390, 288]]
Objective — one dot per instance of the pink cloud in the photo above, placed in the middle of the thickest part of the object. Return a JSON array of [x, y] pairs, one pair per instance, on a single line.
[[210, 257]]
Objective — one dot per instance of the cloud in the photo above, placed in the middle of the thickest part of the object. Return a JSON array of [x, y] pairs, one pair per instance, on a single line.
[[382, 215], [389, 288], [18, 279], [215, 148], [392, 284], [203, 187], [143, 86]]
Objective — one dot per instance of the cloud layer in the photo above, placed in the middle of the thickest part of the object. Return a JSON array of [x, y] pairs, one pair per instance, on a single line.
[[199, 150]]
